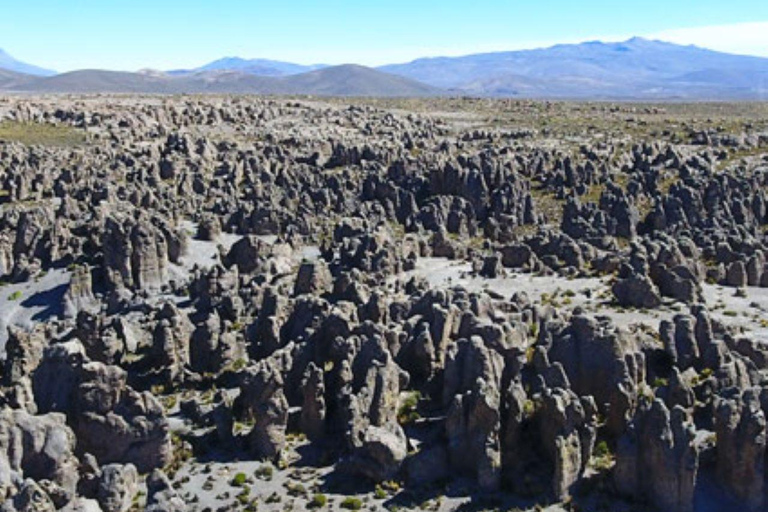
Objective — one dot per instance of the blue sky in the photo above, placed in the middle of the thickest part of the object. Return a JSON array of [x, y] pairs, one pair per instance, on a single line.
[[163, 34]]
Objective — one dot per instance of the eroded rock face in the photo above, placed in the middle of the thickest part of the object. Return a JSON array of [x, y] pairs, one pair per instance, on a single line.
[[117, 487], [656, 460], [136, 252], [313, 410], [264, 403], [740, 426], [113, 422], [568, 431], [161, 497], [376, 440], [472, 427], [31, 497], [637, 292], [171, 342], [471, 391], [313, 277], [602, 362], [79, 295], [37, 448]]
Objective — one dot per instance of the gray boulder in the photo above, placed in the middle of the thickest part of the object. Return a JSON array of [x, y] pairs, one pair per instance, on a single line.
[[161, 496], [118, 485]]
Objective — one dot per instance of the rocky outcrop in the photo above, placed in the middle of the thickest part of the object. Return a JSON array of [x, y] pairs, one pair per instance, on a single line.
[[603, 362], [117, 487], [265, 406], [112, 421], [376, 440], [740, 426], [657, 460], [37, 448], [471, 391], [161, 496]]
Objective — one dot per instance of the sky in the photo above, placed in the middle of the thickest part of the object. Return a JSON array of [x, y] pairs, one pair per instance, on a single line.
[[169, 34]]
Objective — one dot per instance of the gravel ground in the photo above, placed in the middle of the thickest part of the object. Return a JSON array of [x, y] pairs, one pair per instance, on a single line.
[[749, 311]]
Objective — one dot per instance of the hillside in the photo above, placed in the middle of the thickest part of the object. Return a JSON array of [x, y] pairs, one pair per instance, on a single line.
[[635, 68], [347, 80]]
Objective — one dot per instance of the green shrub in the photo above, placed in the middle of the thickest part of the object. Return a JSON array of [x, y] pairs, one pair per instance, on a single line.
[[318, 501], [407, 412], [295, 489], [239, 480], [533, 330], [244, 496], [239, 364], [352, 503], [15, 295], [602, 450], [264, 472], [529, 407]]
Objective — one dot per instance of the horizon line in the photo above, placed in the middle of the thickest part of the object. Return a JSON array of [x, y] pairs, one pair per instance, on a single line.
[[435, 54]]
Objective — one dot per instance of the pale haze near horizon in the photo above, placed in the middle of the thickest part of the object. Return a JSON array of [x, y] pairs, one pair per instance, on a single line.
[[122, 35]]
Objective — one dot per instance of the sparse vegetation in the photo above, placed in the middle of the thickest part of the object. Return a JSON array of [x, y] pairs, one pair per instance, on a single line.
[[351, 503], [408, 409], [239, 480], [265, 472], [43, 134], [318, 501]]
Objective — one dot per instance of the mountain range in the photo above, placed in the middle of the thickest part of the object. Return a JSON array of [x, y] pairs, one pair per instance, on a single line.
[[8, 63], [634, 69], [260, 67]]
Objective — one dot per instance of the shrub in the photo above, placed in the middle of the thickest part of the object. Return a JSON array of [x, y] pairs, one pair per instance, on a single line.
[[602, 450], [529, 407], [239, 480], [264, 472], [407, 412], [15, 295], [244, 496], [351, 503], [318, 501], [533, 330], [239, 364], [295, 489]]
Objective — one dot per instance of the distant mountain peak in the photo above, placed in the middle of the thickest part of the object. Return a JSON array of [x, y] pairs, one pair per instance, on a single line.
[[8, 63], [635, 68], [257, 67]]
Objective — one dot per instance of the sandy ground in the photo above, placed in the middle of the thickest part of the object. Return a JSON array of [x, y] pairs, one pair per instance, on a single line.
[[211, 486], [36, 300]]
